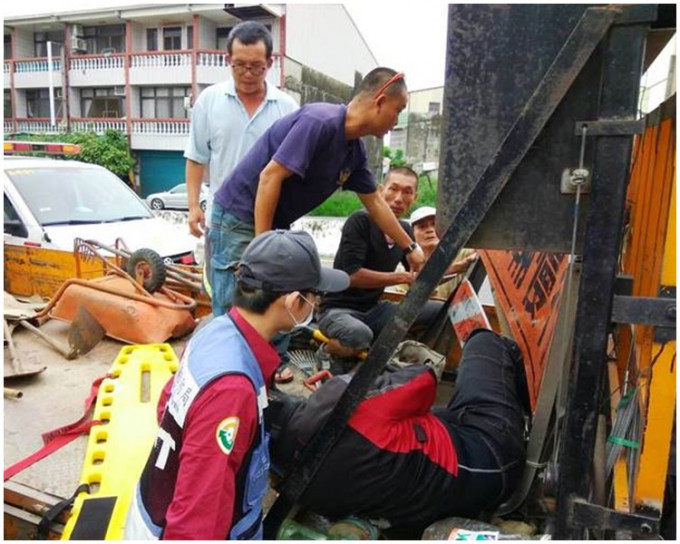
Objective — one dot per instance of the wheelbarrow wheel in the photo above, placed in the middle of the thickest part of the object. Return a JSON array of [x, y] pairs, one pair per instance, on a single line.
[[150, 265]]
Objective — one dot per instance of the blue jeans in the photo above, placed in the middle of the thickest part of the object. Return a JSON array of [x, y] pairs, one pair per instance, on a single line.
[[228, 238]]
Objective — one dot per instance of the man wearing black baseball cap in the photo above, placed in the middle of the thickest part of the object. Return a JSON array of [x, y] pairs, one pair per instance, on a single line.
[[207, 473]]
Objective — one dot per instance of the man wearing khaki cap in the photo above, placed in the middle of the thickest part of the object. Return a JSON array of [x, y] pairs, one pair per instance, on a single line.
[[207, 472], [423, 224]]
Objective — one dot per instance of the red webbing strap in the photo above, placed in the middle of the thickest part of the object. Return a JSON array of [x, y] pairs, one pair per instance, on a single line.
[[58, 438]]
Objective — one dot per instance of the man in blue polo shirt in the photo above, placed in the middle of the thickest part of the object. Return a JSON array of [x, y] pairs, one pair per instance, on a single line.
[[229, 117], [297, 164]]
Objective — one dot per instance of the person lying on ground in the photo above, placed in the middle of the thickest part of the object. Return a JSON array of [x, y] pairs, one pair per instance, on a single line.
[[404, 463]]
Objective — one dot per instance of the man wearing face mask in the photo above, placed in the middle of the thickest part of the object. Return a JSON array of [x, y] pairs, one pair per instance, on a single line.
[[207, 473]]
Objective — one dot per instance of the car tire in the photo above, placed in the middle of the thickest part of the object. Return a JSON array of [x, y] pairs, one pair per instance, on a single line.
[[204, 205], [150, 265], [157, 204]]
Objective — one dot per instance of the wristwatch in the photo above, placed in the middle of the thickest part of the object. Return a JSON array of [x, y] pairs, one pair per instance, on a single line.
[[411, 247]]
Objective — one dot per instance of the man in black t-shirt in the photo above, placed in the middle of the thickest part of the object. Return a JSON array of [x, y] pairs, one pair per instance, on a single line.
[[352, 318]]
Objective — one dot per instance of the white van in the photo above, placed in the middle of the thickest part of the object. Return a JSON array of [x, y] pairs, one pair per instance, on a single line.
[[48, 203]]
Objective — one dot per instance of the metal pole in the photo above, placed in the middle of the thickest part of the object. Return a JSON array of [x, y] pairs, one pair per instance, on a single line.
[[53, 121]]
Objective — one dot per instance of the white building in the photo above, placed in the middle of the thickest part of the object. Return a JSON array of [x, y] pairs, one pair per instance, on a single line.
[[137, 69], [418, 131]]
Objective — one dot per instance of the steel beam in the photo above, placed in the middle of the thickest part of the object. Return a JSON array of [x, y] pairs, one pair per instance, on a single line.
[[619, 91]]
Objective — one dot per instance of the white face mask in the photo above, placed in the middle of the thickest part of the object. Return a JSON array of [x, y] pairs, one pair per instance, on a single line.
[[307, 320]]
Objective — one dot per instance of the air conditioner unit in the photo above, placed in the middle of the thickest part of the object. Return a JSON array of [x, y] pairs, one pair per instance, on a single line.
[[78, 44], [77, 31]]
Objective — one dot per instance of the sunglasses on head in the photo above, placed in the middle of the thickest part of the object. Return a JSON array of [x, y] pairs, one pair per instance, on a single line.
[[396, 77]]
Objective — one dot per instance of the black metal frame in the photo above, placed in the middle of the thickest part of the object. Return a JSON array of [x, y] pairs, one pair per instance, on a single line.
[[619, 92]]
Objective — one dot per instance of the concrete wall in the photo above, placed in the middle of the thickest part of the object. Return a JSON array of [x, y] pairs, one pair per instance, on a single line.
[[324, 37], [20, 107], [138, 37], [422, 140], [74, 103], [206, 33]]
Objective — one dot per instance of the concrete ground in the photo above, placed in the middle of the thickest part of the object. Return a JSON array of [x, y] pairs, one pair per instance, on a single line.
[[55, 397], [51, 399]]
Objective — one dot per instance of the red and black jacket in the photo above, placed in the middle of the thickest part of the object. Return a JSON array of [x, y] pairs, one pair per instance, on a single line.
[[395, 460]]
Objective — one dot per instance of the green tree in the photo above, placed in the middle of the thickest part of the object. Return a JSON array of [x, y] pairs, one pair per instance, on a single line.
[[109, 150], [396, 156]]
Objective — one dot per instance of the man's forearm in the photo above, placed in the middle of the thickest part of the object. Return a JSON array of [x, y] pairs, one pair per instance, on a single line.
[[266, 200], [365, 278], [194, 178], [268, 194]]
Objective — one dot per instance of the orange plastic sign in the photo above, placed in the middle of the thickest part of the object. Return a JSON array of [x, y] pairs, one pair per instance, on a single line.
[[528, 286]]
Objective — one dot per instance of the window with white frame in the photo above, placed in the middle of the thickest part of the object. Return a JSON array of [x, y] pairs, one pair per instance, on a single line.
[[103, 102], [152, 39], [38, 102], [164, 102], [8, 46], [8, 104], [40, 40], [172, 38], [105, 39]]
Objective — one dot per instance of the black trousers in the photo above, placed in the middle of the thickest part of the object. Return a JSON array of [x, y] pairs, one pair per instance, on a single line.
[[485, 418]]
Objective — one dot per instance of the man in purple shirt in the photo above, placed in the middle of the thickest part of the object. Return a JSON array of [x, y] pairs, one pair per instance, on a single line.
[[298, 163]]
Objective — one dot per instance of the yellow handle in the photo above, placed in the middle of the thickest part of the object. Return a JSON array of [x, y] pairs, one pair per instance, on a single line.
[[321, 337]]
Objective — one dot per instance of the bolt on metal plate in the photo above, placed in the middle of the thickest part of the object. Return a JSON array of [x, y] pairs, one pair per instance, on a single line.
[[568, 183]]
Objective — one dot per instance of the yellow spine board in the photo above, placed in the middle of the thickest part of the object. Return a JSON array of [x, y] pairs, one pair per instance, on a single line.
[[118, 448]]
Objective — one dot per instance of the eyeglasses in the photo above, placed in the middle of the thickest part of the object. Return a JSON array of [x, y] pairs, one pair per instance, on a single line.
[[255, 69], [396, 77]]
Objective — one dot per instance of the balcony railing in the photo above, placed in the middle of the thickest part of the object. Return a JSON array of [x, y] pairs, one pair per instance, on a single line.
[[147, 127], [98, 62], [8, 66], [216, 59], [161, 127], [39, 124], [35, 65], [160, 59], [98, 125]]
